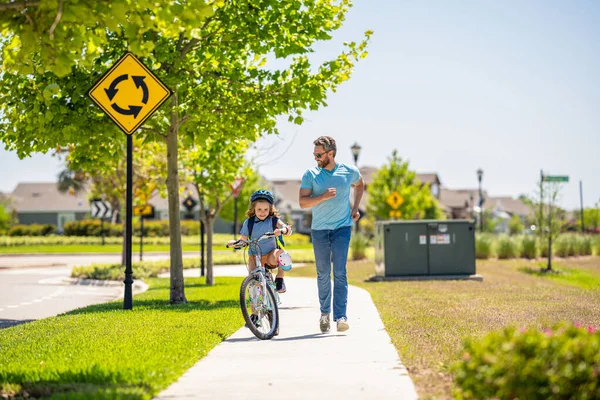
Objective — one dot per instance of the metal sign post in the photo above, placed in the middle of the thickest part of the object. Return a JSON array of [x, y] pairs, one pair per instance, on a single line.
[[143, 211], [129, 93]]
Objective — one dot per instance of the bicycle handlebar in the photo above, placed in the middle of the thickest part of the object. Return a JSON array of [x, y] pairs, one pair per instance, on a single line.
[[238, 244]]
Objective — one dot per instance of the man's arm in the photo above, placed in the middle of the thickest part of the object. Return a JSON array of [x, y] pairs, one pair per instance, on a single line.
[[307, 201], [359, 189]]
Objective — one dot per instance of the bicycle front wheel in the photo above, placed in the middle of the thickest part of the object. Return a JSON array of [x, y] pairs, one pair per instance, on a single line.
[[259, 309]]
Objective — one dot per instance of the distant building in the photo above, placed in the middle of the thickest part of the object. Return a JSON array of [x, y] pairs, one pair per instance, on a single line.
[[42, 203]]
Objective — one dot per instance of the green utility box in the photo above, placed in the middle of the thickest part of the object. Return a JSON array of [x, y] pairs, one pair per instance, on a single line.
[[424, 248]]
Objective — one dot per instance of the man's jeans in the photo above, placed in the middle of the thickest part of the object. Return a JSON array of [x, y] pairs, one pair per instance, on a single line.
[[332, 245]]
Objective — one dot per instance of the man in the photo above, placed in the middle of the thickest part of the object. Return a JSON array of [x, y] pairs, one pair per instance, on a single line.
[[326, 189]]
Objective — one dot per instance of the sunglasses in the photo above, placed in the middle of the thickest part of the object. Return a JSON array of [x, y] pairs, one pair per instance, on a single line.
[[319, 155]]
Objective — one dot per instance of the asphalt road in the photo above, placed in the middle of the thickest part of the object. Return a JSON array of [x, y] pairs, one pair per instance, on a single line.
[[34, 286], [27, 294]]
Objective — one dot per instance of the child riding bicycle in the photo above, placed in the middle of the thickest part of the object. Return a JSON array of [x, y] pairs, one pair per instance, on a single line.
[[263, 217]]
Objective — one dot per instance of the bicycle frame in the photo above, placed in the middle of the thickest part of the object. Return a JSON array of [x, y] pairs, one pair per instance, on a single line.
[[265, 276]]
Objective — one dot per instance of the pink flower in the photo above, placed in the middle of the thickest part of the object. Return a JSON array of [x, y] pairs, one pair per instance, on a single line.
[[548, 332], [591, 329], [577, 325]]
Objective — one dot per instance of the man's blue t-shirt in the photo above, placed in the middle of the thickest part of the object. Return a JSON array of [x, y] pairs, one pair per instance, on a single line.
[[335, 212], [259, 229]]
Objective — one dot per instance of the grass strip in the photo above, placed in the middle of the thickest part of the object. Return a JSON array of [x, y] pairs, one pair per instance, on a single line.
[[429, 320], [102, 351], [150, 269], [578, 277]]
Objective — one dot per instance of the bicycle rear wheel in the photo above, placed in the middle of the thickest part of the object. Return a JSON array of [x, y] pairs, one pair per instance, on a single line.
[[259, 309]]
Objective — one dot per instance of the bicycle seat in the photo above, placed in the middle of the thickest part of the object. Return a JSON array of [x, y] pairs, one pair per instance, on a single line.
[[267, 266]]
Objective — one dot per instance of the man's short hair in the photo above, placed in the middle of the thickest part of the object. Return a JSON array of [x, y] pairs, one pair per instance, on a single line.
[[327, 142]]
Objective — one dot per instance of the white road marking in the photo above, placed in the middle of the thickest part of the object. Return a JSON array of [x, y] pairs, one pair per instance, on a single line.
[[26, 303], [12, 306]]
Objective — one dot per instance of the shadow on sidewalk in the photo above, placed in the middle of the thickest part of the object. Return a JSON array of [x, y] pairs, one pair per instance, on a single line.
[[309, 336]]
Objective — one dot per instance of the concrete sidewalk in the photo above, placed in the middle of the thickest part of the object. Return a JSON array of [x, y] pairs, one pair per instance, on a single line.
[[302, 363]]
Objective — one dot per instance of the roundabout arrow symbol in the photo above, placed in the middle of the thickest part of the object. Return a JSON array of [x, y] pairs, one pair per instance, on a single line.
[[132, 110], [112, 90], [139, 81]]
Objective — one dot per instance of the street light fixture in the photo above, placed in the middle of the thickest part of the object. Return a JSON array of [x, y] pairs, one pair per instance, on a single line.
[[355, 152], [479, 176]]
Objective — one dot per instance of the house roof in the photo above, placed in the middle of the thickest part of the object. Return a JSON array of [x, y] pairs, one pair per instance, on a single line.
[[459, 198], [40, 197], [509, 205], [368, 172], [287, 192]]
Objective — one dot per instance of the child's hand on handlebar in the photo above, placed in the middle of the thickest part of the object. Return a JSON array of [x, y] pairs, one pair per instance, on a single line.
[[281, 231]]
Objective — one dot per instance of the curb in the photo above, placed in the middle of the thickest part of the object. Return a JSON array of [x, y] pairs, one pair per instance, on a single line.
[[138, 285]]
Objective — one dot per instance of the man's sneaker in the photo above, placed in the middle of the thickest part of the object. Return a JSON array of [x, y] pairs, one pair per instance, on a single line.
[[280, 285], [324, 323], [342, 324]]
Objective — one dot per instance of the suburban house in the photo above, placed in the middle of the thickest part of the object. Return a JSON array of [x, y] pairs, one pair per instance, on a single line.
[[42, 203]]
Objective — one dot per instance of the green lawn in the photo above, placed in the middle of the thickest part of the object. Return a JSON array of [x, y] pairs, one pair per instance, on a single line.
[[428, 320], [105, 352], [108, 248], [147, 269]]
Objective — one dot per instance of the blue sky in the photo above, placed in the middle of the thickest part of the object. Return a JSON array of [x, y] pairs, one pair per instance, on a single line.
[[511, 87]]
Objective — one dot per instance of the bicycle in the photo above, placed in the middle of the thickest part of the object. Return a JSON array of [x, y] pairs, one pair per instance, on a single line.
[[258, 297]]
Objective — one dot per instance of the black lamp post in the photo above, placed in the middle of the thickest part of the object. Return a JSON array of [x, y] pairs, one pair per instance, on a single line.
[[355, 152], [479, 176]]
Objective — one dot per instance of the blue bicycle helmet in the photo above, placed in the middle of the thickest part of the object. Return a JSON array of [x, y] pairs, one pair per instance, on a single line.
[[262, 195]]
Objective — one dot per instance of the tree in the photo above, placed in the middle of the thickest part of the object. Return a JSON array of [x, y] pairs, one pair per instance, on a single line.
[[548, 216], [211, 169], [216, 68], [44, 27], [5, 219], [515, 226], [252, 182], [591, 218], [417, 203]]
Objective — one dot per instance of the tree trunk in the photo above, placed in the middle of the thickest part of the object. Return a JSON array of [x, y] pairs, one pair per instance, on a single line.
[[210, 280], [177, 284]]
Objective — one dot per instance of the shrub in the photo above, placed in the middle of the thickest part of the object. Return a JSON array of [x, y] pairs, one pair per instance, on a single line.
[[558, 363], [358, 246], [567, 246], [32, 230], [529, 247], [483, 246], [515, 226], [507, 248], [585, 246]]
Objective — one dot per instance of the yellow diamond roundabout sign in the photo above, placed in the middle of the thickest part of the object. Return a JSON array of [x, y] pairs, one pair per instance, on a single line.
[[129, 93], [395, 200]]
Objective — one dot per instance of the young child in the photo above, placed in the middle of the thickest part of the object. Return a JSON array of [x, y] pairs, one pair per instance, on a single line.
[[263, 211]]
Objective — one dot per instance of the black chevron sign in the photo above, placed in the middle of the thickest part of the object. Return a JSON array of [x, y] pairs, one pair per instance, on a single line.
[[100, 209]]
